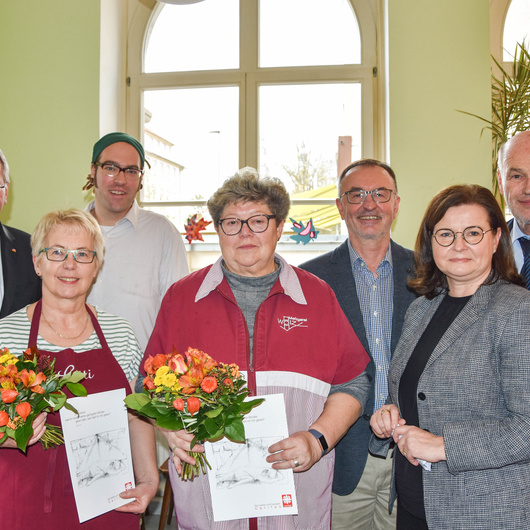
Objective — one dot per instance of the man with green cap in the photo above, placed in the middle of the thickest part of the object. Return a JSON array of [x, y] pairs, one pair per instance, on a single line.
[[144, 252]]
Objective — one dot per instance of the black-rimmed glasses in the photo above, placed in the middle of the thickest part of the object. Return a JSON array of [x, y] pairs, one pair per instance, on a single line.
[[231, 226], [358, 196], [473, 235], [60, 254], [113, 170]]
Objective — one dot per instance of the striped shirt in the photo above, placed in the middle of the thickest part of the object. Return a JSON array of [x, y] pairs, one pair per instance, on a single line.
[[376, 298], [15, 328]]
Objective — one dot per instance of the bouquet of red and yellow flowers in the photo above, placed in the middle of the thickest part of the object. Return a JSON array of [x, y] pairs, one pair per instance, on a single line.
[[29, 385], [195, 393]]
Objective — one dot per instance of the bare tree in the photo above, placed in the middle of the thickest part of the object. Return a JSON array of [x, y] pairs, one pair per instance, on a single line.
[[309, 174]]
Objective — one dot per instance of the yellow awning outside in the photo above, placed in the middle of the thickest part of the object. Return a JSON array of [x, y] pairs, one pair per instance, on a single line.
[[324, 217]]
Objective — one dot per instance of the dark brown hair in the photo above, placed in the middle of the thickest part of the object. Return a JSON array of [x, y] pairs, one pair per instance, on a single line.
[[429, 280]]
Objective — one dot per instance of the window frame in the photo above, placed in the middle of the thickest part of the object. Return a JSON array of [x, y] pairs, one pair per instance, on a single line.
[[249, 77]]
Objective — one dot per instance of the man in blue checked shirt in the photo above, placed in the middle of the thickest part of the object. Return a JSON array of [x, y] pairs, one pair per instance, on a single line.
[[368, 273]]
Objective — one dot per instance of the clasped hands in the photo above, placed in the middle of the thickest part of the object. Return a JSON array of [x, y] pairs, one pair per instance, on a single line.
[[413, 443]]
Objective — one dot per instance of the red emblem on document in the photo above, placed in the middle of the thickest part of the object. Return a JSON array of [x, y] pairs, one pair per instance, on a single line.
[[287, 501]]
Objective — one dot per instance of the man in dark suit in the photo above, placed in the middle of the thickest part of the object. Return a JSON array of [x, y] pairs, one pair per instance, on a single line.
[[20, 284], [368, 273], [514, 183]]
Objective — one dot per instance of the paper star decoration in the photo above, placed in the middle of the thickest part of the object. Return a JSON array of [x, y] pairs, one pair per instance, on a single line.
[[193, 228]]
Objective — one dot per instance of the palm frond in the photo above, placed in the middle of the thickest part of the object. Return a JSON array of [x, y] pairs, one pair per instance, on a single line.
[[510, 105]]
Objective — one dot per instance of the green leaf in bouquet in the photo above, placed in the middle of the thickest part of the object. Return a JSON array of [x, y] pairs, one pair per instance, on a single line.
[[240, 397], [211, 426], [137, 401], [57, 400], [74, 377], [247, 406], [77, 389], [173, 423], [214, 413], [161, 407], [235, 431], [70, 407], [23, 434]]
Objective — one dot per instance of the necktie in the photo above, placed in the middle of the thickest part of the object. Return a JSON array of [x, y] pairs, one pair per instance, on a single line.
[[525, 271]]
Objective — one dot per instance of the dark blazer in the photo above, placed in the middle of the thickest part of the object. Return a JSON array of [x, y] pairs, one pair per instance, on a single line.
[[510, 226], [335, 269], [475, 392], [22, 286]]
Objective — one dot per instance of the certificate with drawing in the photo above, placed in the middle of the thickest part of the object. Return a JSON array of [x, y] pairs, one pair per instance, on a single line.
[[99, 452], [242, 483]]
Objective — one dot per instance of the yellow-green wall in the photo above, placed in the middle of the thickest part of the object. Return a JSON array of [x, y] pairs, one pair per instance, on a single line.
[[439, 57], [49, 97]]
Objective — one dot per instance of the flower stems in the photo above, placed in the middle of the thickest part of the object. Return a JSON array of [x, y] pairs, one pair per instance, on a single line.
[[52, 437], [189, 472]]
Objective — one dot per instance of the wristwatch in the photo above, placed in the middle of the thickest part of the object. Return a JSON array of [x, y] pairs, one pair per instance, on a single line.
[[320, 437]]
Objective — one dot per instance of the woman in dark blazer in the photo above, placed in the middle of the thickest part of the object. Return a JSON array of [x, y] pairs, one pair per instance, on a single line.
[[459, 381]]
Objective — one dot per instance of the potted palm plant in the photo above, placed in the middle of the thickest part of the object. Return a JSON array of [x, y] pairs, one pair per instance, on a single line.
[[510, 104]]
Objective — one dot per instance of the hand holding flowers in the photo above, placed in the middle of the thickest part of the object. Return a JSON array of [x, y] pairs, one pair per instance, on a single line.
[[197, 394], [29, 386]]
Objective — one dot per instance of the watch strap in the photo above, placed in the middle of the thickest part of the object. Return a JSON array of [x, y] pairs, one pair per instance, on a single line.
[[320, 437]]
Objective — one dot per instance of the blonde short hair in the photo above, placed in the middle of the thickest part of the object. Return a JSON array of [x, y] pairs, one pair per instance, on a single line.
[[72, 218]]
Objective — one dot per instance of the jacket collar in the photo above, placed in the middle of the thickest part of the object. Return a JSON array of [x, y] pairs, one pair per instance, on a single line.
[[288, 280]]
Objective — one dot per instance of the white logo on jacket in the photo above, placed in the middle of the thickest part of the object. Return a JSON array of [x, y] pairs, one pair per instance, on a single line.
[[288, 323]]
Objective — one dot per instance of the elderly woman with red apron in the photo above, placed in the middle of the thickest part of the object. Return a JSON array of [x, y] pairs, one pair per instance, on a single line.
[[68, 253]]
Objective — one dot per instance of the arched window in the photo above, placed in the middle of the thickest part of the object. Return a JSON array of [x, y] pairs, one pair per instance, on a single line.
[[516, 27], [286, 86]]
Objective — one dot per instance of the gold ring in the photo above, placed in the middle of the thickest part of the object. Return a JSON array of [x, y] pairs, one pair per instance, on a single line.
[[295, 462], [405, 452], [385, 410]]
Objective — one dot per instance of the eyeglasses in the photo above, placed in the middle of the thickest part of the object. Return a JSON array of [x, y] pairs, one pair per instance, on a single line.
[[473, 235], [231, 226], [60, 254], [358, 196], [113, 170]]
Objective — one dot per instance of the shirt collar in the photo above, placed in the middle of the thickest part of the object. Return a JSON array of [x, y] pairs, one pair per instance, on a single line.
[[130, 217], [288, 280], [517, 232], [356, 258]]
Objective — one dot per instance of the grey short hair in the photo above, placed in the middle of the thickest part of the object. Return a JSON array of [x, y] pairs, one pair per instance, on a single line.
[[247, 186], [506, 146], [5, 166], [367, 162]]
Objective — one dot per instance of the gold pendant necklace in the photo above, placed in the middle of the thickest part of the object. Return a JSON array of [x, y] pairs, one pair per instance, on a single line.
[[60, 334]]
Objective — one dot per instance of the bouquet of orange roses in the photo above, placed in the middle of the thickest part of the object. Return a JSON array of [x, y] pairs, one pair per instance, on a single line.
[[195, 393], [29, 385]]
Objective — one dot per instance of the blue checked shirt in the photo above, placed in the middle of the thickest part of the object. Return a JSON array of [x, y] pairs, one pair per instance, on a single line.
[[376, 298]]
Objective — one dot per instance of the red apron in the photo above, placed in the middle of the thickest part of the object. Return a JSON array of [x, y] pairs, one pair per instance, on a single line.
[[35, 488]]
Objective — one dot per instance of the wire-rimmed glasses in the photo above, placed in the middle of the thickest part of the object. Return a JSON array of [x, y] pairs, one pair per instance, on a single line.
[[473, 235], [358, 196], [60, 254]]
